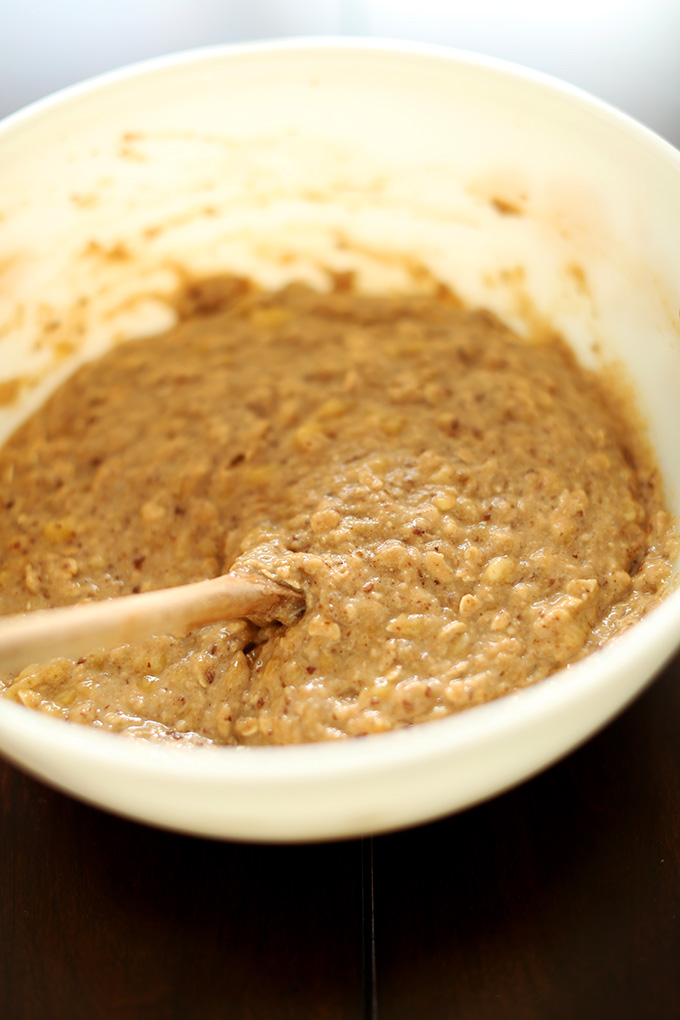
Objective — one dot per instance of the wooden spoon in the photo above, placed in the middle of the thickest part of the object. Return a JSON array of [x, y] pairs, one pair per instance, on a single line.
[[74, 631]]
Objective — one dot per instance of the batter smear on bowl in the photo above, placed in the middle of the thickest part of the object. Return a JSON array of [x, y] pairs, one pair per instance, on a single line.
[[466, 512]]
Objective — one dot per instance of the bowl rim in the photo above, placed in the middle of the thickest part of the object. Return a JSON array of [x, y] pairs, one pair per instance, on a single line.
[[375, 45]]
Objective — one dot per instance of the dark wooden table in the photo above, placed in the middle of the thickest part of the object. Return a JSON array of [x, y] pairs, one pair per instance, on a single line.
[[557, 901]]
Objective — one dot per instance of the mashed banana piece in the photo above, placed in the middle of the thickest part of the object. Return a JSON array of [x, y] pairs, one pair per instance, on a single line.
[[465, 511]]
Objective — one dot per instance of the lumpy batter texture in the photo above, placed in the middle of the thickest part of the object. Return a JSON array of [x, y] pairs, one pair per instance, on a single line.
[[465, 511]]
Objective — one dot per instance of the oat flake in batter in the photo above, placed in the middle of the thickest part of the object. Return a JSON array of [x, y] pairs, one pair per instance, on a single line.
[[466, 512]]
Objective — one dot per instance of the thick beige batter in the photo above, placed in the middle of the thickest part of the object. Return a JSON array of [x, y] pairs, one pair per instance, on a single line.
[[465, 511]]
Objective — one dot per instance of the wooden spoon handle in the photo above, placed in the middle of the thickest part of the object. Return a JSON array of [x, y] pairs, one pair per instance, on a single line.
[[74, 631]]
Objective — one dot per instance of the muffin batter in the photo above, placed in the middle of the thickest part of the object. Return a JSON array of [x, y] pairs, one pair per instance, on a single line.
[[465, 511]]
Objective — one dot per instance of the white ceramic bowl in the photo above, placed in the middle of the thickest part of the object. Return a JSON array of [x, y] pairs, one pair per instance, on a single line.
[[282, 161]]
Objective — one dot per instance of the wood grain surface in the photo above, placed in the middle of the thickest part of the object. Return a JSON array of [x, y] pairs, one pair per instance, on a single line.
[[559, 900]]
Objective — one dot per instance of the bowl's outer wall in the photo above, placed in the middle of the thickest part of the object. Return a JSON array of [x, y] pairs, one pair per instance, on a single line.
[[292, 161]]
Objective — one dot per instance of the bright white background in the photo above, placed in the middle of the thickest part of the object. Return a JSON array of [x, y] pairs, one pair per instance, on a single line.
[[624, 51]]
